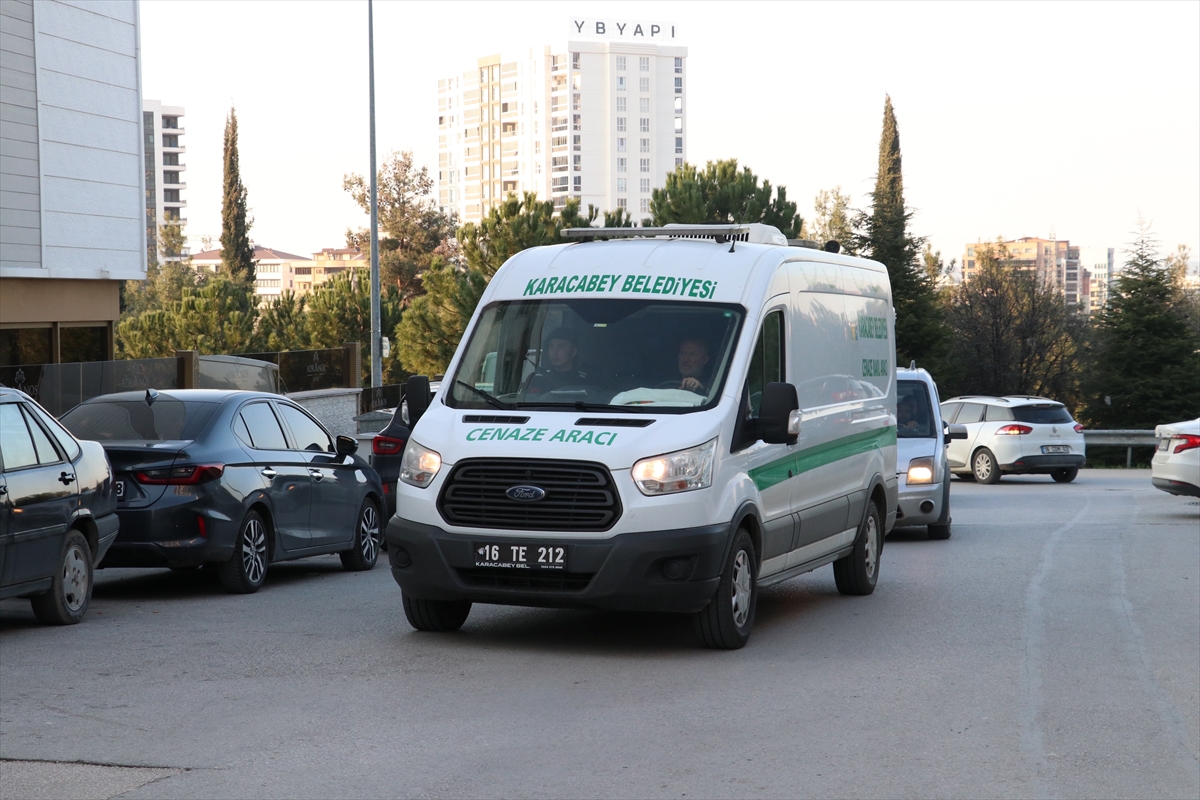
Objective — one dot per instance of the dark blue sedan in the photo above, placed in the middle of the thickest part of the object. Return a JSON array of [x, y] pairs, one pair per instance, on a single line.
[[230, 480]]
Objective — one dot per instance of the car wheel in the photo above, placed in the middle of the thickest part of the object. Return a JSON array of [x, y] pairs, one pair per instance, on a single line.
[[1065, 475], [364, 552], [247, 569], [66, 601], [941, 528], [858, 572], [725, 623], [984, 467], [439, 616]]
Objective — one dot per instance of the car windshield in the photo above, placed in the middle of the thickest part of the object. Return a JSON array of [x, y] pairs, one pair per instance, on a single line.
[[122, 421], [914, 411], [619, 355], [1045, 414]]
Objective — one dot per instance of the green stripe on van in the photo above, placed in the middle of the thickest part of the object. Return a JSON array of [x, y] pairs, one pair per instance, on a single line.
[[776, 472]]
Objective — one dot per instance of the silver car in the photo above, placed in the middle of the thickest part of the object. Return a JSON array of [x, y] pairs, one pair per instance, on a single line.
[[921, 467]]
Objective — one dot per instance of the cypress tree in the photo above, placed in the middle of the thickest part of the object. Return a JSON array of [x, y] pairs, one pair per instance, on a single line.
[[884, 237], [237, 255]]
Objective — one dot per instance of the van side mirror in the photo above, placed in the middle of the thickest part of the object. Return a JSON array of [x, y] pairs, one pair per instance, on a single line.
[[955, 432], [416, 395], [346, 446], [775, 419]]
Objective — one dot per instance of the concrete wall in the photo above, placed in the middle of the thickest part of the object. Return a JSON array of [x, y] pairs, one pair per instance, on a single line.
[[335, 408]]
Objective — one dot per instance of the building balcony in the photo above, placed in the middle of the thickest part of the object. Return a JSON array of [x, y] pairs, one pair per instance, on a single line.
[[174, 203], [176, 185], [177, 149]]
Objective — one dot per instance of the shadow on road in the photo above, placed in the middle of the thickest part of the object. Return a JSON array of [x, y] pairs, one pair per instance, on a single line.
[[163, 584]]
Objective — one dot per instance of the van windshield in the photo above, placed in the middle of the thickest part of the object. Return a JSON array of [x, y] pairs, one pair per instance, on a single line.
[[914, 411], [618, 355]]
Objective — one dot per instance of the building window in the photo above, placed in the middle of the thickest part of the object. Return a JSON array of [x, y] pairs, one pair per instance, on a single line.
[[644, 125], [576, 124], [574, 60], [579, 183], [577, 82], [620, 124], [170, 140], [645, 165], [679, 66], [679, 162], [644, 105], [170, 122], [679, 124], [644, 185], [620, 83], [644, 64], [171, 195], [678, 145], [679, 86], [620, 63], [678, 105], [170, 177], [578, 165], [621, 165], [644, 146], [645, 205], [620, 144], [578, 142], [621, 184], [170, 159], [537, 148], [622, 202], [643, 84], [575, 102], [620, 104]]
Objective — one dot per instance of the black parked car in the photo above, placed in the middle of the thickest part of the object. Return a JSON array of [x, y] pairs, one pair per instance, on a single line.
[[57, 511], [235, 480], [387, 451]]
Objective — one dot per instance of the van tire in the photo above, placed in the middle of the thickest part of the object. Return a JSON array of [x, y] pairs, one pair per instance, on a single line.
[[438, 616], [984, 467], [941, 528], [1065, 474], [725, 623], [857, 573]]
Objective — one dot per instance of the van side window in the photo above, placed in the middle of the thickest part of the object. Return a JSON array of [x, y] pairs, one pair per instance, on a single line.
[[766, 365]]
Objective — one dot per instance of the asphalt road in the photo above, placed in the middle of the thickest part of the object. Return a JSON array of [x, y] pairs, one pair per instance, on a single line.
[[1051, 648]]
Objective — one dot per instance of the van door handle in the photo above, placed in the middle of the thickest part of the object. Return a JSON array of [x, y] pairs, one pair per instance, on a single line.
[[269, 473], [66, 478], [317, 475]]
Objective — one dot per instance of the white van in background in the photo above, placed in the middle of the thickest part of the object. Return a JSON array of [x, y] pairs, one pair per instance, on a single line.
[[667, 421]]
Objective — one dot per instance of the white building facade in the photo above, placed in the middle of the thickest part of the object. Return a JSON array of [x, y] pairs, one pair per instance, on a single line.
[[163, 132], [72, 202], [601, 118]]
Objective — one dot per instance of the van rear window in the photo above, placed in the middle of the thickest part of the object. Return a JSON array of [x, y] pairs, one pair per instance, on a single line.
[[1046, 414], [135, 421]]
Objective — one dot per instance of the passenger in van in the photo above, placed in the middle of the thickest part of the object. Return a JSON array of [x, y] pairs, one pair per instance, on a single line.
[[693, 358], [560, 355]]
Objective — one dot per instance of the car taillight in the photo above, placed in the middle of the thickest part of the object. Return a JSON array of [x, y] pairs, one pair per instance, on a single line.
[[1078, 428], [187, 474], [1014, 430], [1186, 442], [386, 445]]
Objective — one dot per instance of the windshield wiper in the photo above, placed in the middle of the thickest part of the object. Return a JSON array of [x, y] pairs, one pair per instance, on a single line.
[[580, 405], [492, 401]]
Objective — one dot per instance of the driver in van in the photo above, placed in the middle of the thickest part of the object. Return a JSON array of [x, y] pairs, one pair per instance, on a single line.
[[908, 414], [561, 351], [693, 358]]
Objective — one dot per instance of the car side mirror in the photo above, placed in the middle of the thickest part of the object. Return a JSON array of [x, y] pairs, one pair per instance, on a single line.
[[346, 445], [416, 395], [955, 432], [775, 420]]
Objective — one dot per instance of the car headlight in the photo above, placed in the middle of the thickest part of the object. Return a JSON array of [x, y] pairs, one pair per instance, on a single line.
[[920, 470], [420, 465], [681, 471]]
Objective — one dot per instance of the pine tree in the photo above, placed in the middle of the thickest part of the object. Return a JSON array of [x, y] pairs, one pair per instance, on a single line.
[[1145, 366], [884, 236], [722, 193], [237, 254]]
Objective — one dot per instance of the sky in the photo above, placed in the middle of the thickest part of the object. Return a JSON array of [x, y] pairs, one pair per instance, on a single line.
[[1015, 119]]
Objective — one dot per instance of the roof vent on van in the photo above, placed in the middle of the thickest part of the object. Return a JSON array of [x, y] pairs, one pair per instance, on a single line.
[[753, 233]]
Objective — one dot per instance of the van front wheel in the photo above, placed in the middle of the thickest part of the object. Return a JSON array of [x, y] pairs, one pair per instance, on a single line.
[[725, 623], [858, 572]]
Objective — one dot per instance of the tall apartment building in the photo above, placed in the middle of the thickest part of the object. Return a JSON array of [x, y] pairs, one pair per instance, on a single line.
[[72, 216], [1102, 266], [162, 131], [601, 118], [1055, 263]]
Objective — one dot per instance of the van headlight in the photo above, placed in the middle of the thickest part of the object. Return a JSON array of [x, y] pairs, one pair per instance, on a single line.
[[420, 465], [920, 470], [681, 471]]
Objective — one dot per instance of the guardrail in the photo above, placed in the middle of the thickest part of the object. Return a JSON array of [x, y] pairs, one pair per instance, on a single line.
[[1129, 438]]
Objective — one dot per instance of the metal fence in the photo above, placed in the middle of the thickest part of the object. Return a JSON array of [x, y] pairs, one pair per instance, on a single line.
[[59, 387], [304, 370]]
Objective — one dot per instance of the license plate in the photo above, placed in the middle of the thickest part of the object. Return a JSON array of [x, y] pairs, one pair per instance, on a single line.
[[120, 489], [1056, 448], [521, 556]]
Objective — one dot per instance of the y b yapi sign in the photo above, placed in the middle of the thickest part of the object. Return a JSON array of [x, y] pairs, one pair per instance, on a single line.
[[623, 29]]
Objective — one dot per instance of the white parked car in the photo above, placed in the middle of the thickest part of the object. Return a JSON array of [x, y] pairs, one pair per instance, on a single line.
[[1176, 464], [1014, 435], [921, 467]]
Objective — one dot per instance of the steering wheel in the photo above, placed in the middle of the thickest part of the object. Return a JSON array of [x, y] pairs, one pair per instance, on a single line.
[[668, 385]]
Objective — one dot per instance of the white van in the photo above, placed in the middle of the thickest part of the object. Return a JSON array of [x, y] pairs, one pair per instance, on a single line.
[[666, 420]]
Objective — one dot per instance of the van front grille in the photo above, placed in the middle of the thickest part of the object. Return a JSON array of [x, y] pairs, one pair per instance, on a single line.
[[579, 495]]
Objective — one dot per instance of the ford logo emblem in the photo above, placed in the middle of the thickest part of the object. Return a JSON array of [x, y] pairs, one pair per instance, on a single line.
[[525, 494]]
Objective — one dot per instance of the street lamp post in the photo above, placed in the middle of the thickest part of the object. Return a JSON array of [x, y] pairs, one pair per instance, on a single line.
[[376, 344]]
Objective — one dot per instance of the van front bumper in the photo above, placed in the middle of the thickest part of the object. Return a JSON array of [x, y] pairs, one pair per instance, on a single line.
[[624, 572]]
